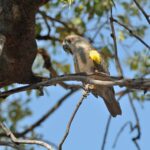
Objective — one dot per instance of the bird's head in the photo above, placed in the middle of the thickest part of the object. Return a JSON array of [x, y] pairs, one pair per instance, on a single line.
[[74, 42]]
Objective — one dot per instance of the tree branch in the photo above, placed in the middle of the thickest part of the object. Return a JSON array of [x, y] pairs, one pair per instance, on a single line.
[[137, 126], [50, 112], [48, 65], [106, 132], [139, 83], [142, 10], [85, 93], [132, 33], [67, 27], [113, 35], [23, 141], [47, 37], [120, 131]]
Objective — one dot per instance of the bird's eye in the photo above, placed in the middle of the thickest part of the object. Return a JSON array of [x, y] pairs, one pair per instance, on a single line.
[[69, 41]]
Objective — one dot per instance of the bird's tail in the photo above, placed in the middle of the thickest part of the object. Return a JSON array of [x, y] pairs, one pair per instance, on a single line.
[[113, 108], [108, 95]]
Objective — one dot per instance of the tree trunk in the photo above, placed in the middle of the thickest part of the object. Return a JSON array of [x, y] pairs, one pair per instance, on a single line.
[[18, 47]]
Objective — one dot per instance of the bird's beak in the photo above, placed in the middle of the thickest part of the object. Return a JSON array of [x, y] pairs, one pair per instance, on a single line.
[[66, 47]]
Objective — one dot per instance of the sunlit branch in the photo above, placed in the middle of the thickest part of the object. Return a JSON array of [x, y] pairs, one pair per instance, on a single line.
[[141, 83], [23, 141]]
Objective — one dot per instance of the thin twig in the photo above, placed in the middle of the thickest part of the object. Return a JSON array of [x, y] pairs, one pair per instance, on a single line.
[[132, 33], [123, 92], [137, 126], [23, 141], [85, 93], [54, 19], [113, 3], [106, 132], [49, 66], [50, 112], [119, 133], [99, 28], [113, 35], [47, 37], [143, 11], [44, 117]]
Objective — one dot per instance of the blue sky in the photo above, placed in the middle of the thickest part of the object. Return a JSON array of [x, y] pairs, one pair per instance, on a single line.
[[88, 127]]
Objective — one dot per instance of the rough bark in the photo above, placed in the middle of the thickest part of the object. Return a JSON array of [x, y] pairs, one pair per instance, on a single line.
[[17, 41]]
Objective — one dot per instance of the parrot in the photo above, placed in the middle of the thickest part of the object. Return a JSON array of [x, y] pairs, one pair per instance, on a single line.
[[88, 60]]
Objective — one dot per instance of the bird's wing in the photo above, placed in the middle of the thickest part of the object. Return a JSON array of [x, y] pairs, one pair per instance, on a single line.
[[99, 61]]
